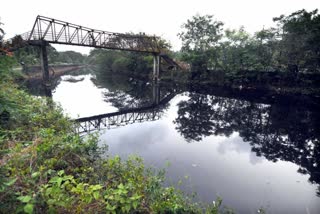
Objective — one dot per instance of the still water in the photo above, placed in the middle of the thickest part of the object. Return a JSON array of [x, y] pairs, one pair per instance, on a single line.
[[252, 151]]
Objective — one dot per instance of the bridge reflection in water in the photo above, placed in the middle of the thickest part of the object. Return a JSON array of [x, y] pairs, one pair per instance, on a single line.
[[127, 116], [116, 119]]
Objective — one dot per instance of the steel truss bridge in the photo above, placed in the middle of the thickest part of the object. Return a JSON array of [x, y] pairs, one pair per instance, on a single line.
[[47, 31], [60, 32]]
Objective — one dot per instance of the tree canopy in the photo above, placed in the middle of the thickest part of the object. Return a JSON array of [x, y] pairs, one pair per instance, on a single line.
[[293, 46]]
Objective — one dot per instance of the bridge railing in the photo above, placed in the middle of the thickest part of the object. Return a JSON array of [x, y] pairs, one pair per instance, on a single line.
[[60, 32]]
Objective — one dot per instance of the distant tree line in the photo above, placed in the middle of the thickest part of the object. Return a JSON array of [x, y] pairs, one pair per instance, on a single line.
[[294, 45], [138, 64], [30, 55], [120, 61]]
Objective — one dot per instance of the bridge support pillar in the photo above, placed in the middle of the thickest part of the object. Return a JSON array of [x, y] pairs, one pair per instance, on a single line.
[[155, 93], [44, 64], [156, 67]]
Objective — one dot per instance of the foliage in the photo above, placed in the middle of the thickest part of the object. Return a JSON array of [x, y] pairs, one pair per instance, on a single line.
[[71, 57], [121, 62], [6, 64], [199, 36], [293, 46], [131, 63], [200, 33], [300, 43], [30, 55]]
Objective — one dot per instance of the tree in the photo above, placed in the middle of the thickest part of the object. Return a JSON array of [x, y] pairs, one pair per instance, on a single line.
[[233, 52], [68, 57], [266, 49], [199, 37], [300, 40], [29, 55], [1, 38]]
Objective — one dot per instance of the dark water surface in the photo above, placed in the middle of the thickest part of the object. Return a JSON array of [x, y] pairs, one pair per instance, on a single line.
[[252, 151]]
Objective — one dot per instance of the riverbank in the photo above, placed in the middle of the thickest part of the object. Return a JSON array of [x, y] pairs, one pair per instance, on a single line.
[[35, 73], [270, 83], [277, 83]]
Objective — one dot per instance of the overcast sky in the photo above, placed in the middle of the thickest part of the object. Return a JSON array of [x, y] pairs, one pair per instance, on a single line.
[[162, 18]]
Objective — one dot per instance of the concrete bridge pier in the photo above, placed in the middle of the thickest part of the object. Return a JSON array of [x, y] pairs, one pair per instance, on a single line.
[[44, 64], [155, 93], [156, 67]]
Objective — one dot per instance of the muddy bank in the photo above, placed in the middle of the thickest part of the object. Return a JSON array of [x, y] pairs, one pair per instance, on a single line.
[[33, 78], [35, 73]]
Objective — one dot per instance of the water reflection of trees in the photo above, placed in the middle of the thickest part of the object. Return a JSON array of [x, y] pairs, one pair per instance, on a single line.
[[36, 87], [277, 132], [126, 92]]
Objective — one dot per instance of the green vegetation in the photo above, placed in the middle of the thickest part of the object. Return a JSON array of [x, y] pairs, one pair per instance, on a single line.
[[200, 37], [30, 55], [121, 62], [293, 46], [131, 63], [285, 59]]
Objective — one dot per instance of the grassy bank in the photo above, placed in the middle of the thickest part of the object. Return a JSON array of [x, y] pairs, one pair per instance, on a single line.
[[46, 168]]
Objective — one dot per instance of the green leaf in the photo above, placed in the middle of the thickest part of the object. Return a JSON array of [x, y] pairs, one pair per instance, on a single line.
[[35, 174], [61, 172], [10, 182], [110, 208], [96, 195], [135, 204], [96, 187], [24, 199], [120, 186], [28, 208]]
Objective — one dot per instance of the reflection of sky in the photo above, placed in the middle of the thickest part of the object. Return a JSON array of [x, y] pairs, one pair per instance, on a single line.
[[217, 165], [234, 143], [81, 99]]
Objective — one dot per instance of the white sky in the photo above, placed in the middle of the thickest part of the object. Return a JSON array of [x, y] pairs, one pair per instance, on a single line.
[[162, 18]]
